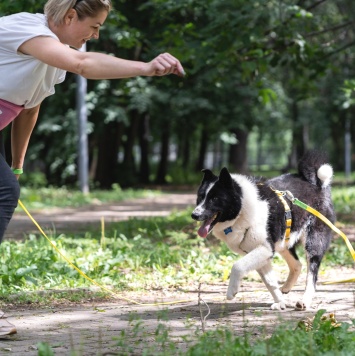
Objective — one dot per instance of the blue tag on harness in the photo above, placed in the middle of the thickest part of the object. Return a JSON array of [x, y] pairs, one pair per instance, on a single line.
[[227, 230]]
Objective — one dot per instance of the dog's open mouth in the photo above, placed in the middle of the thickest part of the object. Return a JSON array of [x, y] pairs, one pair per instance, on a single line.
[[207, 225]]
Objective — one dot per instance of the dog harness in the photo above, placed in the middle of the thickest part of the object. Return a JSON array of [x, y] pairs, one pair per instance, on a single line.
[[288, 214]]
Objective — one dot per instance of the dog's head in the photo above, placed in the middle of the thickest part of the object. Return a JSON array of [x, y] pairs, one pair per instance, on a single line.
[[219, 199]]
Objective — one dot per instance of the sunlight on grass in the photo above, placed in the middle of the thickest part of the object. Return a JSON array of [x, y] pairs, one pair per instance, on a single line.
[[138, 254], [141, 254], [155, 253], [46, 198], [344, 200]]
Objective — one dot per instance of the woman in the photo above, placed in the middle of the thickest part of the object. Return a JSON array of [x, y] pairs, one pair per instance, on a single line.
[[36, 50]]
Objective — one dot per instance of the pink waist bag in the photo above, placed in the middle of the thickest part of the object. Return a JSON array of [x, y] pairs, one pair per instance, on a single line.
[[8, 112]]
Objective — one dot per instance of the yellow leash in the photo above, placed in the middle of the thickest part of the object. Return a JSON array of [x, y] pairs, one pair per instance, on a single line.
[[304, 206], [288, 194], [93, 281]]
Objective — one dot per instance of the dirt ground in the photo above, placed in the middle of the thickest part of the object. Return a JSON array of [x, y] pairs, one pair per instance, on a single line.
[[96, 328]]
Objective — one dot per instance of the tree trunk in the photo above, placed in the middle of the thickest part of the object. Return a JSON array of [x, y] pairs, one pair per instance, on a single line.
[[164, 155], [107, 153], [200, 164], [299, 133], [337, 133], [129, 165], [259, 150], [186, 151], [144, 168], [238, 158]]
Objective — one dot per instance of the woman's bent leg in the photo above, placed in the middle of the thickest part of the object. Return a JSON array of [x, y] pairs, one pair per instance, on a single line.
[[9, 195]]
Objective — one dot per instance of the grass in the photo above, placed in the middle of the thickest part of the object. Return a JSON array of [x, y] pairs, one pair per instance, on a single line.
[[133, 255], [317, 336], [154, 253], [130, 255], [49, 198], [322, 337]]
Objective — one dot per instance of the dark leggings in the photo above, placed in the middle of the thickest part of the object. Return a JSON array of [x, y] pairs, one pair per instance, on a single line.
[[9, 191]]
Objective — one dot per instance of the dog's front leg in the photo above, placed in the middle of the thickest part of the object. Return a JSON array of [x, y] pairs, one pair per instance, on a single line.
[[254, 260], [267, 275]]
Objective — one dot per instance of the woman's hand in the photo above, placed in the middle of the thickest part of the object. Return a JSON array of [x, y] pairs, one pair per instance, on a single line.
[[165, 64]]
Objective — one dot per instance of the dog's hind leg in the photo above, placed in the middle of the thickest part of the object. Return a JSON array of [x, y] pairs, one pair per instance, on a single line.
[[252, 261], [294, 266], [316, 246], [267, 275], [312, 275]]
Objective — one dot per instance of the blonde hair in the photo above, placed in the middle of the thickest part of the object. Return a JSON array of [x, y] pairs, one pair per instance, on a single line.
[[57, 9]]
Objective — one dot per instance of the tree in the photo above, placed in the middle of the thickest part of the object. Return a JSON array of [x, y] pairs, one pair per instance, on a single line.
[[275, 68]]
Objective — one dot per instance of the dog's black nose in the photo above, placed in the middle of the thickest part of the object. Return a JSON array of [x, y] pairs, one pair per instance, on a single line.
[[194, 216]]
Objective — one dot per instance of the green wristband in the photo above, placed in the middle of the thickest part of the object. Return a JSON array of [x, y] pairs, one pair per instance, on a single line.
[[17, 170]]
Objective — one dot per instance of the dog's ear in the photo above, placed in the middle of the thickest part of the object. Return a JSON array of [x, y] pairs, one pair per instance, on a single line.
[[208, 175], [225, 177]]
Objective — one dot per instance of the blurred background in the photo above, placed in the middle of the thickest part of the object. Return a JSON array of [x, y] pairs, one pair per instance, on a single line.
[[266, 80]]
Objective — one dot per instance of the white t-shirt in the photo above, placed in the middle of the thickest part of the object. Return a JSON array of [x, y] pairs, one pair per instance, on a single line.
[[24, 80]]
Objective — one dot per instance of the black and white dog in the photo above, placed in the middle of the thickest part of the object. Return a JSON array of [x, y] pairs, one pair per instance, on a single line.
[[249, 216]]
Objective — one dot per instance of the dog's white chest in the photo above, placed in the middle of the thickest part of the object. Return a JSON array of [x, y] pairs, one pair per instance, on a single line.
[[232, 237]]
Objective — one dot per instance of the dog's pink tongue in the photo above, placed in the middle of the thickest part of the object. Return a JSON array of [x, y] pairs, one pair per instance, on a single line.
[[203, 230]]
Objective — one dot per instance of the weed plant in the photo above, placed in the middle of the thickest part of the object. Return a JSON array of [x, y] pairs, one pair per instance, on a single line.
[[286, 340]]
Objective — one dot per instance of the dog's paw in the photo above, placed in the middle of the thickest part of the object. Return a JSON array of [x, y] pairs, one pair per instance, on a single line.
[[278, 306], [301, 306], [233, 288], [285, 290], [230, 296]]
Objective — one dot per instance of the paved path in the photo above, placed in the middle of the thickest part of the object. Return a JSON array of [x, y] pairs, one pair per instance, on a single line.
[[96, 329]]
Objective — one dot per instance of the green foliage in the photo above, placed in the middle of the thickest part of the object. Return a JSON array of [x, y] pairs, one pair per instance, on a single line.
[[131, 255], [34, 180], [271, 68], [349, 93], [44, 349], [13, 6], [324, 338], [338, 254], [344, 199], [140, 253], [158, 253]]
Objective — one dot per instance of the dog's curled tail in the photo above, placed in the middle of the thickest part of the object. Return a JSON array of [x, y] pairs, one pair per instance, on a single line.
[[325, 174], [314, 168]]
